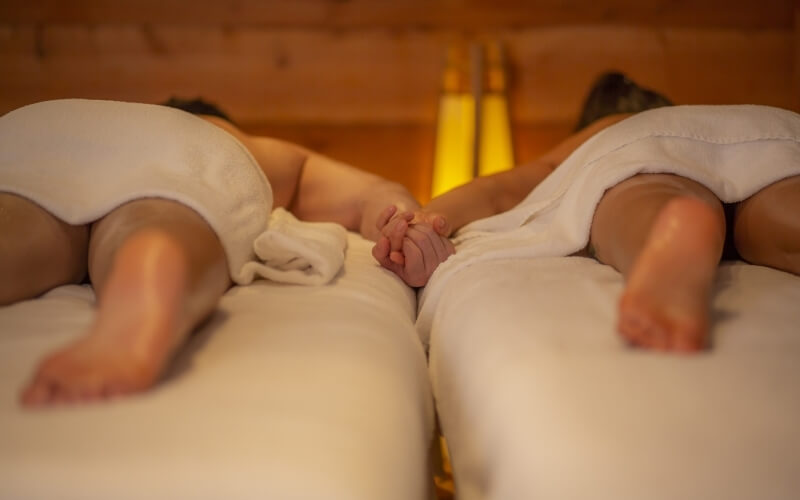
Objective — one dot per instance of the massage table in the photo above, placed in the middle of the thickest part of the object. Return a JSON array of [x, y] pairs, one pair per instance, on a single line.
[[538, 395], [540, 398], [287, 392]]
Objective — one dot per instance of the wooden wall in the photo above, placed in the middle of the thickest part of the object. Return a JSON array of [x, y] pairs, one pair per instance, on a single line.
[[358, 79]]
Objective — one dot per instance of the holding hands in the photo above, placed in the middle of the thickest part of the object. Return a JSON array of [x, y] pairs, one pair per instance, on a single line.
[[412, 244]]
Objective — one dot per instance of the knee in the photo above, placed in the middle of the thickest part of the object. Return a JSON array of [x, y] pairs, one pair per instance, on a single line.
[[768, 239], [10, 285], [109, 248], [766, 229], [776, 250], [37, 251], [150, 221], [164, 229], [34, 266]]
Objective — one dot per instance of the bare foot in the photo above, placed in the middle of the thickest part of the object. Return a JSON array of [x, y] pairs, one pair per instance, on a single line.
[[665, 304], [137, 328]]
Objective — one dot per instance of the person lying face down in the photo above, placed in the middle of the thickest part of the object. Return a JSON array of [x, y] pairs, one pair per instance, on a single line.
[[663, 231], [414, 243], [158, 268]]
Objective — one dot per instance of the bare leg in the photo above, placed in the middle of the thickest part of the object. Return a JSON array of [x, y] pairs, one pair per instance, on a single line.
[[158, 270], [37, 250], [665, 235], [766, 228]]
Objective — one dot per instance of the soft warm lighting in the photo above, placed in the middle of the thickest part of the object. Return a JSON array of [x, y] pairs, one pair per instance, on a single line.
[[455, 133], [496, 151], [456, 149], [455, 130]]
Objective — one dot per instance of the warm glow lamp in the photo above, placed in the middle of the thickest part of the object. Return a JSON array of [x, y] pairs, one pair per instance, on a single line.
[[455, 130], [460, 153], [496, 148]]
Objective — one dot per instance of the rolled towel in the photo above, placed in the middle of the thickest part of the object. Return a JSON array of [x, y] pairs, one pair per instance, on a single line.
[[293, 251]]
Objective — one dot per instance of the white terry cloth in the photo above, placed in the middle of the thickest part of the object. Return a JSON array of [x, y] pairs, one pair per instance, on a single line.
[[733, 150], [80, 159], [291, 251]]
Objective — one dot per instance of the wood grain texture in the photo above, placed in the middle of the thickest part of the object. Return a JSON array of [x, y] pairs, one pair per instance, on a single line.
[[796, 80], [554, 68], [400, 152], [532, 140], [258, 75], [359, 80], [358, 76], [434, 14]]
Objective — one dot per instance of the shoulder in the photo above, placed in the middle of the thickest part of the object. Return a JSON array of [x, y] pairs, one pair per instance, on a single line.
[[282, 162]]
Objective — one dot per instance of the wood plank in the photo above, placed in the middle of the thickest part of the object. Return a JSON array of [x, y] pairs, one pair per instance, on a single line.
[[796, 84], [400, 152], [730, 67], [383, 76], [257, 75], [532, 140], [554, 68], [447, 14]]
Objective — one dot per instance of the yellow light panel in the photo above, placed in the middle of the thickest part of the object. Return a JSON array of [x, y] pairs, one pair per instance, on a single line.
[[497, 153], [455, 134], [454, 159]]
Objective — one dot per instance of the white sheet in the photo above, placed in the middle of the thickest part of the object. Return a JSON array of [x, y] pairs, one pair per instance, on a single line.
[[290, 392], [733, 150], [539, 398]]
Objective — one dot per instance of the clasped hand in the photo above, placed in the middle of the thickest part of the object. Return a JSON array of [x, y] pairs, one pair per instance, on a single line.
[[412, 244]]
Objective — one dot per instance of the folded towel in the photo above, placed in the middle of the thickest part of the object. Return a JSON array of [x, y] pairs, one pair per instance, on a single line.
[[80, 159], [733, 150], [291, 251]]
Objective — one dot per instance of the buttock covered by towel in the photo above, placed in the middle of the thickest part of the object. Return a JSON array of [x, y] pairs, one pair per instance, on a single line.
[[80, 159], [734, 151]]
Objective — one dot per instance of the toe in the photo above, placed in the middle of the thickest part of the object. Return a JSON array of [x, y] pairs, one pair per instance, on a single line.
[[38, 393], [688, 342]]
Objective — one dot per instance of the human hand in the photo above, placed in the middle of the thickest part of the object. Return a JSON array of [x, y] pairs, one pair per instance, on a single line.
[[413, 247], [392, 226], [437, 221]]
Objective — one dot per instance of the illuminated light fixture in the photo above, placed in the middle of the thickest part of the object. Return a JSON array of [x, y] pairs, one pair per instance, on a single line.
[[461, 154], [455, 128], [496, 147]]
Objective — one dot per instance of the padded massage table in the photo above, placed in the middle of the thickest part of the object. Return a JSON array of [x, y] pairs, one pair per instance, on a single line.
[[539, 398], [288, 392]]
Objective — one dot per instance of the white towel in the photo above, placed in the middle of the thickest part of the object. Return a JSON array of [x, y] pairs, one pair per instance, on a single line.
[[291, 251], [733, 150], [80, 159]]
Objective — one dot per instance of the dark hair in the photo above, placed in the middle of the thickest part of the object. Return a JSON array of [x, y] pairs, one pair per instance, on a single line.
[[197, 106], [614, 92]]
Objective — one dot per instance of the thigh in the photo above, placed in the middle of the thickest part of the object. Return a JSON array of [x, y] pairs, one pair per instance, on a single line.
[[180, 224], [766, 226], [623, 218], [37, 250]]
